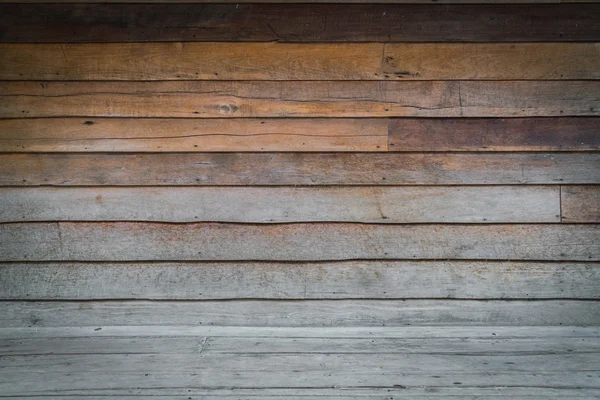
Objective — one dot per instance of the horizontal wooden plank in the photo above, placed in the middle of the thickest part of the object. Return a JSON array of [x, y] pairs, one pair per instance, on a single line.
[[286, 61], [142, 241], [205, 99], [580, 203], [297, 23], [284, 204], [494, 134], [298, 169], [305, 313], [192, 135], [318, 1], [333, 280]]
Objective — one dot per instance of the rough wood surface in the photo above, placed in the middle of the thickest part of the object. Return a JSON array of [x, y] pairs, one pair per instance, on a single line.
[[286, 61], [304, 313], [192, 135], [332, 280], [298, 23], [580, 203], [205, 99], [451, 204], [298, 169], [142, 241], [494, 134]]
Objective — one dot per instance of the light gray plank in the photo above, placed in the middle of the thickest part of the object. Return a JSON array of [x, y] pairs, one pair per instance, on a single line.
[[305, 313], [141, 241], [284, 204], [330, 280]]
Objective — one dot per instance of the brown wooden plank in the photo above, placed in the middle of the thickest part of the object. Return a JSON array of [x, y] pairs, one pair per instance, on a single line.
[[69, 23], [494, 134], [298, 169], [472, 204], [270, 314], [144, 241], [289, 61], [302, 99], [192, 135], [332, 280], [580, 203]]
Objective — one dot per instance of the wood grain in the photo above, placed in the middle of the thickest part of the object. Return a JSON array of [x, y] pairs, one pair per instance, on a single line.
[[580, 203], [494, 134], [288, 22], [311, 169], [301, 99], [332, 280], [483, 204], [192, 135], [168, 316], [281, 61], [141, 241]]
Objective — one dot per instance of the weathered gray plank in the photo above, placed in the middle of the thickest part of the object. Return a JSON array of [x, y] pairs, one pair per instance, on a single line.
[[580, 203], [284, 204], [141, 241], [192, 135], [304, 313], [240, 169], [334, 280]]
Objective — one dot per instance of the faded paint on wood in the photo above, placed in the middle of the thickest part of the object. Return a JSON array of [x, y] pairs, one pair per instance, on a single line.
[[284, 204], [289, 22], [332, 280], [235, 169], [206, 99], [494, 134], [192, 135], [580, 203], [142, 241], [305, 313], [286, 61]]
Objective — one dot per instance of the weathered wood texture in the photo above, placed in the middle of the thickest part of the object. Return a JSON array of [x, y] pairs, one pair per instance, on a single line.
[[298, 23], [192, 135], [494, 134], [141, 241], [277, 61], [580, 203], [298, 169], [283, 204], [301, 99], [304, 313], [333, 280]]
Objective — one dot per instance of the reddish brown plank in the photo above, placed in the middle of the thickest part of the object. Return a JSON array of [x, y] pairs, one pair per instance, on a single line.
[[494, 134], [580, 203]]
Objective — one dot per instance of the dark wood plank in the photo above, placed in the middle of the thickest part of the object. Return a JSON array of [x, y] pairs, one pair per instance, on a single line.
[[580, 203], [494, 134], [298, 169], [144, 241], [206, 99], [448, 204], [192, 135], [70, 23], [174, 317], [291, 61], [330, 280]]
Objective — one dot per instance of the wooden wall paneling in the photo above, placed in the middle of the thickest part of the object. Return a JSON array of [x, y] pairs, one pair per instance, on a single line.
[[494, 134], [330, 280], [285, 61], [68, 23], [192, 135], [242, 169], [485, 204], [580, 203], [300, 99], [143, 241]]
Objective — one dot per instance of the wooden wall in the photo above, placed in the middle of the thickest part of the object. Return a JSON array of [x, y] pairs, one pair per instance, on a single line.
[[313, 165]]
